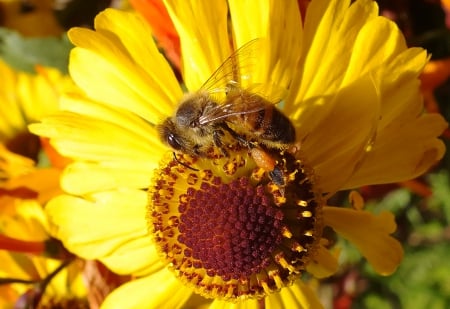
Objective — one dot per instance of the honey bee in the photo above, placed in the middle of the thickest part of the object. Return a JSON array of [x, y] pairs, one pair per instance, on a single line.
[[223, 107]]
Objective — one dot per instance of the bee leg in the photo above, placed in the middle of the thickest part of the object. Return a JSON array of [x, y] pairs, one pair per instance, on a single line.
[[240, 138], [277, 176], [217, 135], [267, 162]]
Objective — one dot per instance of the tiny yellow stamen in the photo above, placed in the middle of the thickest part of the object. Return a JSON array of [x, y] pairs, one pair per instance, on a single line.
[[306, 214]]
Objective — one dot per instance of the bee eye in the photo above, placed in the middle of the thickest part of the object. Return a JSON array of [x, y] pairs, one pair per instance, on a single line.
[[173, 142]]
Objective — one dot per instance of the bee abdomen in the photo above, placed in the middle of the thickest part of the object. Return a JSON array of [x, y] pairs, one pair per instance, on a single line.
[[272, 125]]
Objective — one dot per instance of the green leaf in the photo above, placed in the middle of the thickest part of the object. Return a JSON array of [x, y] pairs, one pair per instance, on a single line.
[[421, 281], [24, 53], [440, 199], [376, 302], [395, 201]]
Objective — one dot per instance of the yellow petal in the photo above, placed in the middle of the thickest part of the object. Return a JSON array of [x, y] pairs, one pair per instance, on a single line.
[[27, 98], [118, 86], [83, 178], [378, 42], [330, 30], [44, 181], [138, 258], [39, 94], [108, 224], [202, 27], [12, 267], [130, 29], [13, 165], [11, 117], [138, 150], [250, 19], [335, 138], [115, 65], [324, 264], [133, 123], [277, 22], [92, 139], [23, 219], [401, 97], [160, 290], [370, 234], [299, 295], [403, 153]]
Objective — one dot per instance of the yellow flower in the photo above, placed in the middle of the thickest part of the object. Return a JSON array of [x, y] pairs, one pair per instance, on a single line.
[[36, 270], [25, 98], [220, 226]]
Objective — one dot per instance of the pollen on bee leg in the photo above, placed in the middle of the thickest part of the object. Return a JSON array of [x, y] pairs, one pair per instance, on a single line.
[[263, 159], [269, 164]]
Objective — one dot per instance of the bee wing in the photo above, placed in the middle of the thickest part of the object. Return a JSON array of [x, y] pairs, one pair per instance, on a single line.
[[235, 69], [272, 93], [231, 108], [228, 81]]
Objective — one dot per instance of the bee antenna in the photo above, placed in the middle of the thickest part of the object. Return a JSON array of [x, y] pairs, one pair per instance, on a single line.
[[184, 164]]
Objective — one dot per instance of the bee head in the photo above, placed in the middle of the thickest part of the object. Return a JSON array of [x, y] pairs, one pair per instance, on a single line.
[[170, 135]]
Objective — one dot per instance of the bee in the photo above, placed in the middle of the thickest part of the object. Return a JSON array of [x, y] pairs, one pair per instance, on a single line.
[[224, 107]]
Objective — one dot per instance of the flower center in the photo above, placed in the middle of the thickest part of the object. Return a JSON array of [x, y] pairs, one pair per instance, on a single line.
[[231, 232], [232, 228]]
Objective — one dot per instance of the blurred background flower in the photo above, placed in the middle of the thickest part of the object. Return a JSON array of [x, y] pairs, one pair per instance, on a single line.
[[36, 271]]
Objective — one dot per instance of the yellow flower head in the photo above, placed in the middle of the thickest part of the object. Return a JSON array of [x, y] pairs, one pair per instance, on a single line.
[[25, 98], [238, 219], [36, 270]]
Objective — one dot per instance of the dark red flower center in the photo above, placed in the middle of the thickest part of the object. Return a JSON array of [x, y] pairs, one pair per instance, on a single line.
[[228, 230], [232, 228]]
